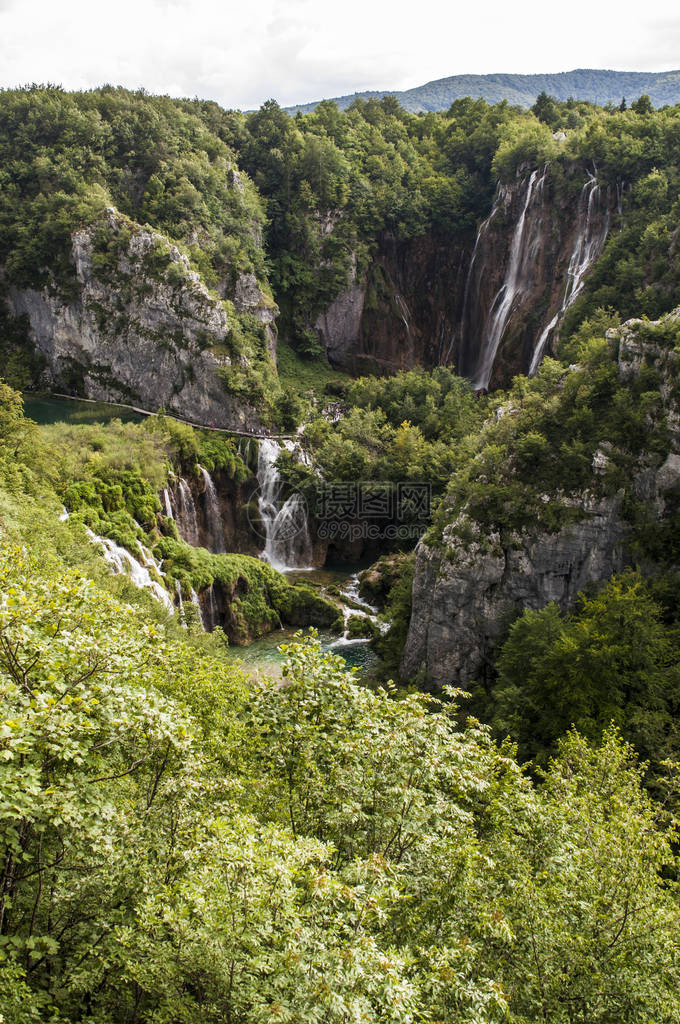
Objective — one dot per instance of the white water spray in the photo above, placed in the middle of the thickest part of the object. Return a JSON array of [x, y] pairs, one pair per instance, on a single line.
[[521, 253], [187, 522], [167, 503], [213, 514], [288, 544], [123, 563], [197, 605], [360, 608], [592, 234]]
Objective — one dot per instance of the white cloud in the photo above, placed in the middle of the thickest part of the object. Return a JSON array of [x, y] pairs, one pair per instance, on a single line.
[[240, 54]]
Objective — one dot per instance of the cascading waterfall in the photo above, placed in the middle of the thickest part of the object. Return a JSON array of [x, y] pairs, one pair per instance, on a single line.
[[180, 602], [360, 608], [513, 284], [123, 563], [187, 523], [592, 234], [213, 514], [288, 544]]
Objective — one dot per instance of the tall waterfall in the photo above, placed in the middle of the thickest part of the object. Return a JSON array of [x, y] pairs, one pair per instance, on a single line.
[[213, 514], [288, 544], [590, 239], [518, 267], [187, 523]]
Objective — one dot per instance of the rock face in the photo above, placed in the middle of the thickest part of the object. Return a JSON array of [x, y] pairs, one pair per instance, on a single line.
[[400, 312], [250, 298], [142, 329], [463, 601], [465, 594], [490, 305], [231, 526]]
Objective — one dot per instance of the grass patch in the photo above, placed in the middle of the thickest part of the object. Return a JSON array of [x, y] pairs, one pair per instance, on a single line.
[[304, 375]]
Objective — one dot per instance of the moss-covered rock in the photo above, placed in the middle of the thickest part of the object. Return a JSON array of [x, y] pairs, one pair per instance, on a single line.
[[250, 598], [361, 627], [376, 582]]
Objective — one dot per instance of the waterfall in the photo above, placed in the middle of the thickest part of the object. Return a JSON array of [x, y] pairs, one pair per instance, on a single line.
[[213, 514], [180, 603], [123, 563], [167, 503], [499, 200], [521, 254], [208, 621], [187, 522], [287, 541], [590, 239], [350, 589], [197, 605]]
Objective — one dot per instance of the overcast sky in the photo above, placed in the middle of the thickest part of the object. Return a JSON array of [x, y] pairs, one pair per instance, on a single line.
[[241, 53]]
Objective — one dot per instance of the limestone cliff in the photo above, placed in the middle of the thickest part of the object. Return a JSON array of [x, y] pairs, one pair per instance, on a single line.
[[141, 327], [470, 583]]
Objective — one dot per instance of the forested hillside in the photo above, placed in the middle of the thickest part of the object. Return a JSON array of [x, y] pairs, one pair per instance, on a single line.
[[596, 86], [396, 383], [128, 215]]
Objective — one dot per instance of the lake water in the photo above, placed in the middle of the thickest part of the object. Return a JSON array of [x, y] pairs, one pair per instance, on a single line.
[[45, 410]]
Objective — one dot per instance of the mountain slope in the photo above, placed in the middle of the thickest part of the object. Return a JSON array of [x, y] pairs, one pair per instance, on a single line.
[[584, 84]]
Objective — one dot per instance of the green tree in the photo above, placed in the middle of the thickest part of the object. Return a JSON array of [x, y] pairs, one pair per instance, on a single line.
[[611, 660]]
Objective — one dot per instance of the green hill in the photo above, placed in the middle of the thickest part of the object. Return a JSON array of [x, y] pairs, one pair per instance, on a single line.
[[584, 84]]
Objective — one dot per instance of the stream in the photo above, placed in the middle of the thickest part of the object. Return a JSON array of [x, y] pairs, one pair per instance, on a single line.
[[263, 655]]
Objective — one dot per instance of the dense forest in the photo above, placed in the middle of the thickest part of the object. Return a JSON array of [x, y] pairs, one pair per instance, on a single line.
[[480, 826], [182, 843]]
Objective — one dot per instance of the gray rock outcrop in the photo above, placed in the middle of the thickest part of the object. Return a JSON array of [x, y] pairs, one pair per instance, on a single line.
[[138, 331], [465, 598]]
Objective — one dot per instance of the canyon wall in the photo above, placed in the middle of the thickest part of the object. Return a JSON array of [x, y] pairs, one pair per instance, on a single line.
[[490, 306]]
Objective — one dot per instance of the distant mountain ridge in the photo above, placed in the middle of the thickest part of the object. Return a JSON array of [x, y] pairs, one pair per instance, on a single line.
[[663, 88]]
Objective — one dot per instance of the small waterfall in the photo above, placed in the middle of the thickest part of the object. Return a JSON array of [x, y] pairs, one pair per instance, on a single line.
[[288, 544], [187, 522], [123, 563], [213, 514], [208, 621], [350, 589], [590, 239], [180, 603], [197, 605], [519, 264], [620, 189], [167, 503]]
